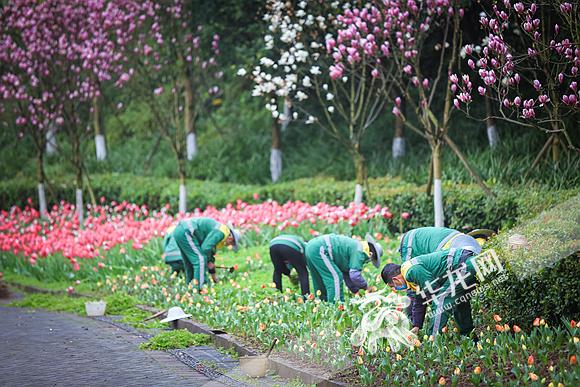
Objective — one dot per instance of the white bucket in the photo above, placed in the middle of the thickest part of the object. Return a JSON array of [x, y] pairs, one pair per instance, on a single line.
[[95, 308], [254, 366]]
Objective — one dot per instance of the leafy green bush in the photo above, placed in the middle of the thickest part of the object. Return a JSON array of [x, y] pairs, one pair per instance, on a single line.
[[542, 278], [180, 338]]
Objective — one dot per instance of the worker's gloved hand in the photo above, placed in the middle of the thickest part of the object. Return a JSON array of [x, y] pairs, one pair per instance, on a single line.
[[211, 269]]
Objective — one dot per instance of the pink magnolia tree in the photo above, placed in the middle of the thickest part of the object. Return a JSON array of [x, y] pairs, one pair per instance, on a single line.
[[299, 65], [528, 64], [54, 56], [416, 69], [178, 72]]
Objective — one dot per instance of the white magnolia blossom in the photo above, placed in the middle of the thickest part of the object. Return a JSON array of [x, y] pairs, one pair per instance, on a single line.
[[301, 96], [296, 46], [331, 109], [266, 62], [241, 72]]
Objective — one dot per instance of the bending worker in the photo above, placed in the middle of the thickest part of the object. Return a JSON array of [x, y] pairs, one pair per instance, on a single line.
[[445, 276], [287, 252], [171, 254], [426, 240], [197, 239], [333, 259]]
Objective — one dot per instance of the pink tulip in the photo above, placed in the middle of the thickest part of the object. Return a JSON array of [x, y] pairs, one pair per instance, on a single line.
[[405, 215]]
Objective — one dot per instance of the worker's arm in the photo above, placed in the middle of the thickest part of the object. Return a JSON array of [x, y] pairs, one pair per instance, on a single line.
[[210, 242], [211, 269], [356, 263], [357, 280], [418, 310]]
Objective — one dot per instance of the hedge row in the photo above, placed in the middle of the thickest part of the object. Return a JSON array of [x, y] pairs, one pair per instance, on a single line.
[[466, 206], [542, 278]]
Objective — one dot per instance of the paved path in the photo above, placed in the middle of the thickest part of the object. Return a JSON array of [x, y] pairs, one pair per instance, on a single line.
[[40, 348]]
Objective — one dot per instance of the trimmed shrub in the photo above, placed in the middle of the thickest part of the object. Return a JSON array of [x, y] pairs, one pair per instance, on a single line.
[[542, 277]]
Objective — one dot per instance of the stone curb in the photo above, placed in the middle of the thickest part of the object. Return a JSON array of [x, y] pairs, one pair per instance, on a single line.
[[224, 340]]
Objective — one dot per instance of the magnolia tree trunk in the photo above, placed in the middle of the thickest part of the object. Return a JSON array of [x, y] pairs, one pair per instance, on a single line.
[[492, 135], [76, 148], [182, 187], [51, 140], [100, 142], [399, 145], [275, 154], [41, 180], [360, 170], [556, 150], [437, 188], [189, 118], [191, 145], [287, 114]]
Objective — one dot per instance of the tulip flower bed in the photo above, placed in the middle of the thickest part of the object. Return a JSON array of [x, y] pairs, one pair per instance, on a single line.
[[22, 231], [125, 259]]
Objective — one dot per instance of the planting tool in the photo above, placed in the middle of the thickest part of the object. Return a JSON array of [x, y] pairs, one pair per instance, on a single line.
[[256, 366], [231, 269], [154, 316]]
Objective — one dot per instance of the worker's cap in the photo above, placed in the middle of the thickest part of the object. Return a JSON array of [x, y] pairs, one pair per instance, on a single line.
[[237, 236], [175, 313], [481, 235], [377, 259]]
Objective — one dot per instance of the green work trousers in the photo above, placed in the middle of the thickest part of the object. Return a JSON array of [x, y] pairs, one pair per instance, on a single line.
[[326, 276], [194, 262]]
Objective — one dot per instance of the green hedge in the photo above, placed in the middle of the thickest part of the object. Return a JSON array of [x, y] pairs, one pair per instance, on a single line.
[[542, 278], [466, 206]]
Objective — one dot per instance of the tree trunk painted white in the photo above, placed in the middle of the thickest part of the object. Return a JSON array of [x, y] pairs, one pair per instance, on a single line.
[[492, 136], [438, 203], [399, 147], [41, 200], [101, 147], [275, 164], [191, 146], [80, 206], [51, 140], [182, 198], [287, 114], [358, 194]]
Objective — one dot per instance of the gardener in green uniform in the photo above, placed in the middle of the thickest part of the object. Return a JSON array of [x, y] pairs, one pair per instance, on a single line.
[[197, 239], [171, 253], [333, 259], [287, 252], [445, 276], [425, 240]]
